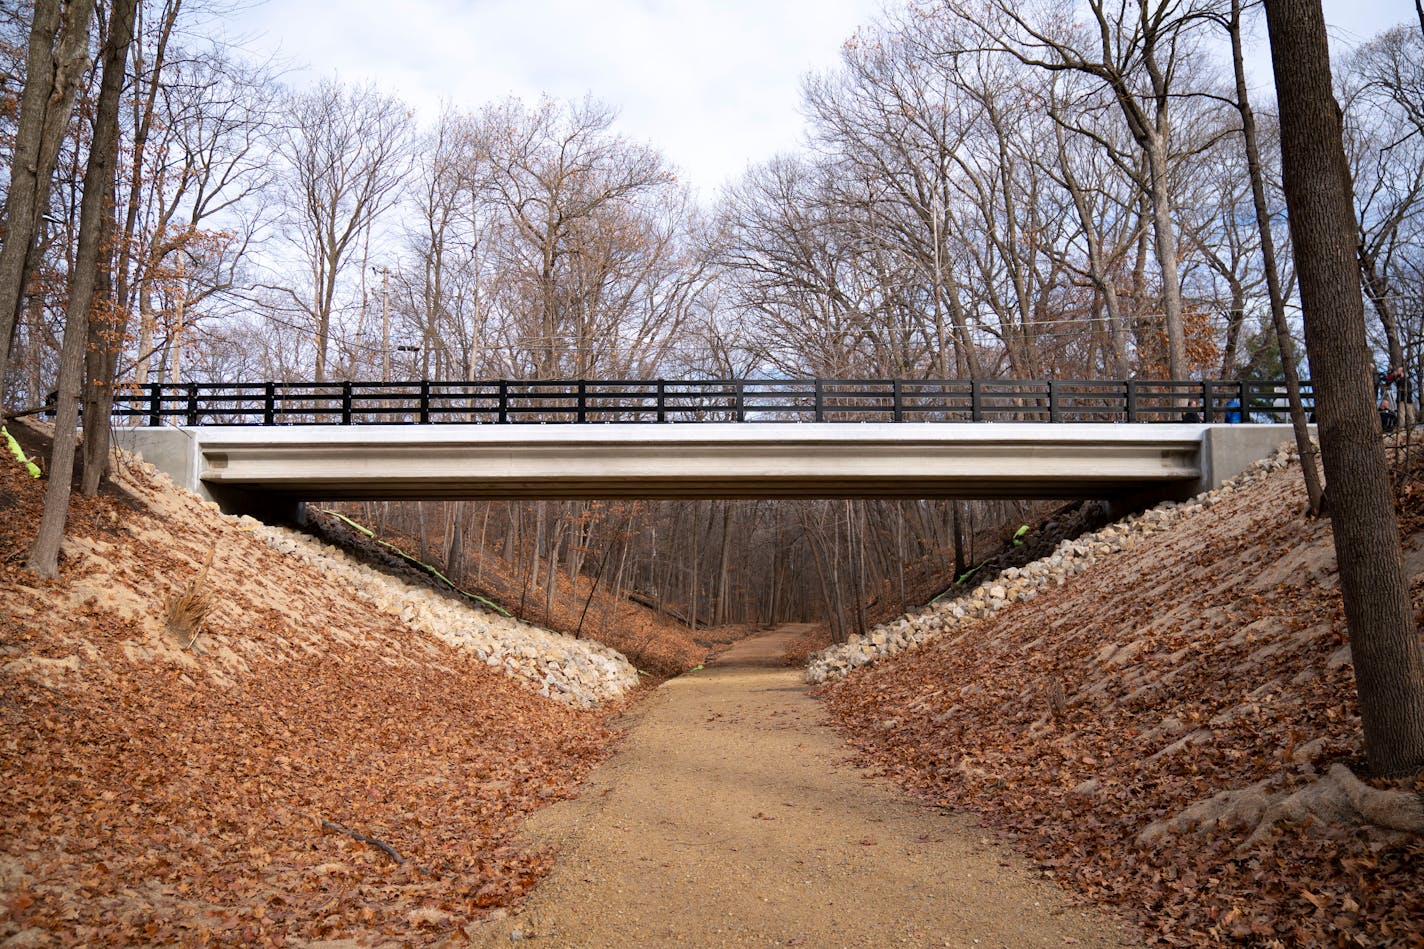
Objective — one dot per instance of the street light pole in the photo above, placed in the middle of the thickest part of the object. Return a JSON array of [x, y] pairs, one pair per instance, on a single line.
[[385, 324]]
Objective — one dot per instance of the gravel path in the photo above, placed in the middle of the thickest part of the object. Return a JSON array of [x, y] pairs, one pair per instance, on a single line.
[[729, 817]]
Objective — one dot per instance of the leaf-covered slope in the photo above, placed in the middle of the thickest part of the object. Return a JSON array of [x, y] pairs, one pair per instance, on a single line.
[[155, 794], [1208, 658]]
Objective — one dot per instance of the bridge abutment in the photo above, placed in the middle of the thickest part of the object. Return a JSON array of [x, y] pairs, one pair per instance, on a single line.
[[177, 452]]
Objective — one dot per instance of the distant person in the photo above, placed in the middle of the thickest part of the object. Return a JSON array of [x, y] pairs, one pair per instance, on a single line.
[[1385, 383]]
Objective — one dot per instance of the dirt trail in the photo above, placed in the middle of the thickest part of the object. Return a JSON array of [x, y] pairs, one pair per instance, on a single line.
[[728, 817]]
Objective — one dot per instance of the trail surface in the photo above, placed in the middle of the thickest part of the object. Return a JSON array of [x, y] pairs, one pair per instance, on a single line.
[[729, 817]]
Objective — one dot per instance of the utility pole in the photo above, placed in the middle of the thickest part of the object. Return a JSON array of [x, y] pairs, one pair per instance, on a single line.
[[385, 324], [175, 363]]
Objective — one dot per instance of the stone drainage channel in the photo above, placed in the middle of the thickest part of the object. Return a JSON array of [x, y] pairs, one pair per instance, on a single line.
[[1024, 583]]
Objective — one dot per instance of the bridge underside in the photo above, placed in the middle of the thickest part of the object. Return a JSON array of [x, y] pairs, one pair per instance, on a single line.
[[240, 465]]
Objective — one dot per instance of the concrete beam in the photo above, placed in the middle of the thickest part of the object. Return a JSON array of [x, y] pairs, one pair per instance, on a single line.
[[242, 465]]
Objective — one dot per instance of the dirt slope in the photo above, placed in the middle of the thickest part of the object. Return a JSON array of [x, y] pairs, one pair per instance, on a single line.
[[1206, 659], [155, 794], [728, 817]]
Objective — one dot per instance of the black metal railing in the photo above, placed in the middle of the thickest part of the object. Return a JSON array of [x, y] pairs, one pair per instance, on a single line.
[[588, 401]]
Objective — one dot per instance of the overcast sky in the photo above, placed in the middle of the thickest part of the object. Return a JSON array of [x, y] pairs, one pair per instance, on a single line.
[[714, 84]]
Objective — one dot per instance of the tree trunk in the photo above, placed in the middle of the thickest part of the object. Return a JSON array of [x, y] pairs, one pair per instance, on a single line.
[[106, 334], [480, 549], [1378, 289], [57, 57], [1289, 365], [1165, 240], [1234, 320], [454, 540], [101, 358], [94, 225], [961, 562], [724, 567], [551, 590], [146, 326], [1384, 643]]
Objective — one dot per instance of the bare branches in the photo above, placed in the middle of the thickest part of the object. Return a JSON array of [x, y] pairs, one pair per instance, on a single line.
[[347, 152]]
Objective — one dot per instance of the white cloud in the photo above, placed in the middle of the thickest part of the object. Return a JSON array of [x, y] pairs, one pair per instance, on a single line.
[[714, 85]]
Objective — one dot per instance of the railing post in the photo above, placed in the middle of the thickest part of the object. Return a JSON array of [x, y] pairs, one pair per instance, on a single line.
[[346, 402], [1208, 408], [1053, 400], [155, 403], [899, 402], [269, 404], [820, 400], [192, 404], [582, 400], [1241, 386], [662, 401], [740, 402], [503, 401], [424, 402], [1131, 395], [976, 402]]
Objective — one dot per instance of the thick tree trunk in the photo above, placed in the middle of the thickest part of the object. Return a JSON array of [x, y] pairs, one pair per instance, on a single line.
[[1235, 318], [454, 540], [961, 559], [552, 587], [101, 358], [1384, 643], [1164, 233], [58, 49], [106, 335], [94, 224]]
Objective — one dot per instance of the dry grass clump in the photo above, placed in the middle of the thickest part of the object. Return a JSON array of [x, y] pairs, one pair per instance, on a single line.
[[658, 648], [185, 611]]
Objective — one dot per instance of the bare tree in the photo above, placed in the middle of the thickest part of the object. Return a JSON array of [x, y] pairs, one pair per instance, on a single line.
[[346, 149], [1135, 50], [1384, 642], [1108, 228], [193, 128], [1384, 126], [598, 273], [57, 58], [195, 183], [792, 268], [95, 225], [1289, 364], [444, 287]]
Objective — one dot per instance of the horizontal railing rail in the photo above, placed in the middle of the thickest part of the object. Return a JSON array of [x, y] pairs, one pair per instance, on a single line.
[[505, 401]]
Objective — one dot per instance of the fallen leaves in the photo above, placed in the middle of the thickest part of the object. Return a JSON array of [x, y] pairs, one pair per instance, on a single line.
[[1229, 625], [179, 798]]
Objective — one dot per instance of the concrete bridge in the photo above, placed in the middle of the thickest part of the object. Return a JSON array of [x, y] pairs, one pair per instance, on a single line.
[[269, 469]]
